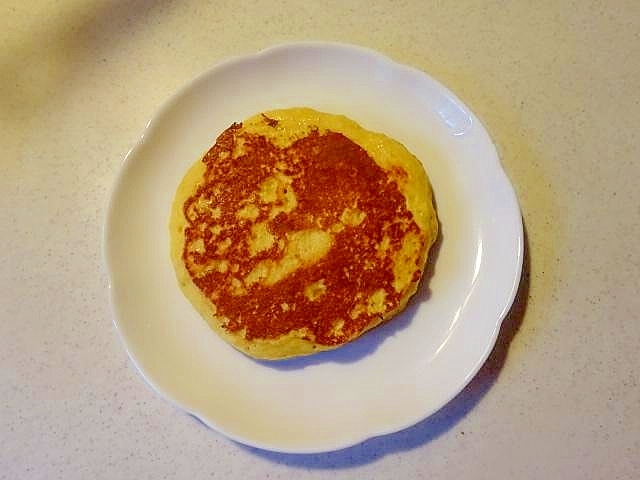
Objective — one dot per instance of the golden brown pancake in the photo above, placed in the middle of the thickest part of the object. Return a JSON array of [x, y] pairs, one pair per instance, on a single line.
[[298, 231]]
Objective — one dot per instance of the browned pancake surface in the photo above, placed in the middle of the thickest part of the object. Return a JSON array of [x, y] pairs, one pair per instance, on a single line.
[[311, 240]]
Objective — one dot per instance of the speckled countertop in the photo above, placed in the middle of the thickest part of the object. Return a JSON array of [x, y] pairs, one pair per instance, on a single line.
[[556, 83]]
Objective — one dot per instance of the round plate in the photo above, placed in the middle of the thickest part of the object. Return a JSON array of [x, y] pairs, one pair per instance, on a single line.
[[395, 375]]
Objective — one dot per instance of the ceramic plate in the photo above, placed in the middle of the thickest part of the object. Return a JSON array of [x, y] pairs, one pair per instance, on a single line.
[[392, 377]]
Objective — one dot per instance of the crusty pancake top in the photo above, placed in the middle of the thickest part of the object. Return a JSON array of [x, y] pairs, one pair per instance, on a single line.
[[302, 235]]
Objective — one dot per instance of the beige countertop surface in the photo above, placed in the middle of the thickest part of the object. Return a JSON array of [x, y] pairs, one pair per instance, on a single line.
[[557, 84]]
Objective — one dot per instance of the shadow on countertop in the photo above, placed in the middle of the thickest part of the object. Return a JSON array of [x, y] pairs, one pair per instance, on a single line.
[[437, 424]]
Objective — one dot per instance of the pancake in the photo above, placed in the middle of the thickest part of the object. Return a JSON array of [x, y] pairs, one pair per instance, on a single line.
[[298, 231]]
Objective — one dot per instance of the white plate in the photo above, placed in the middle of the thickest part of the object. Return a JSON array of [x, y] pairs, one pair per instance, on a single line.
[[392, 377]]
